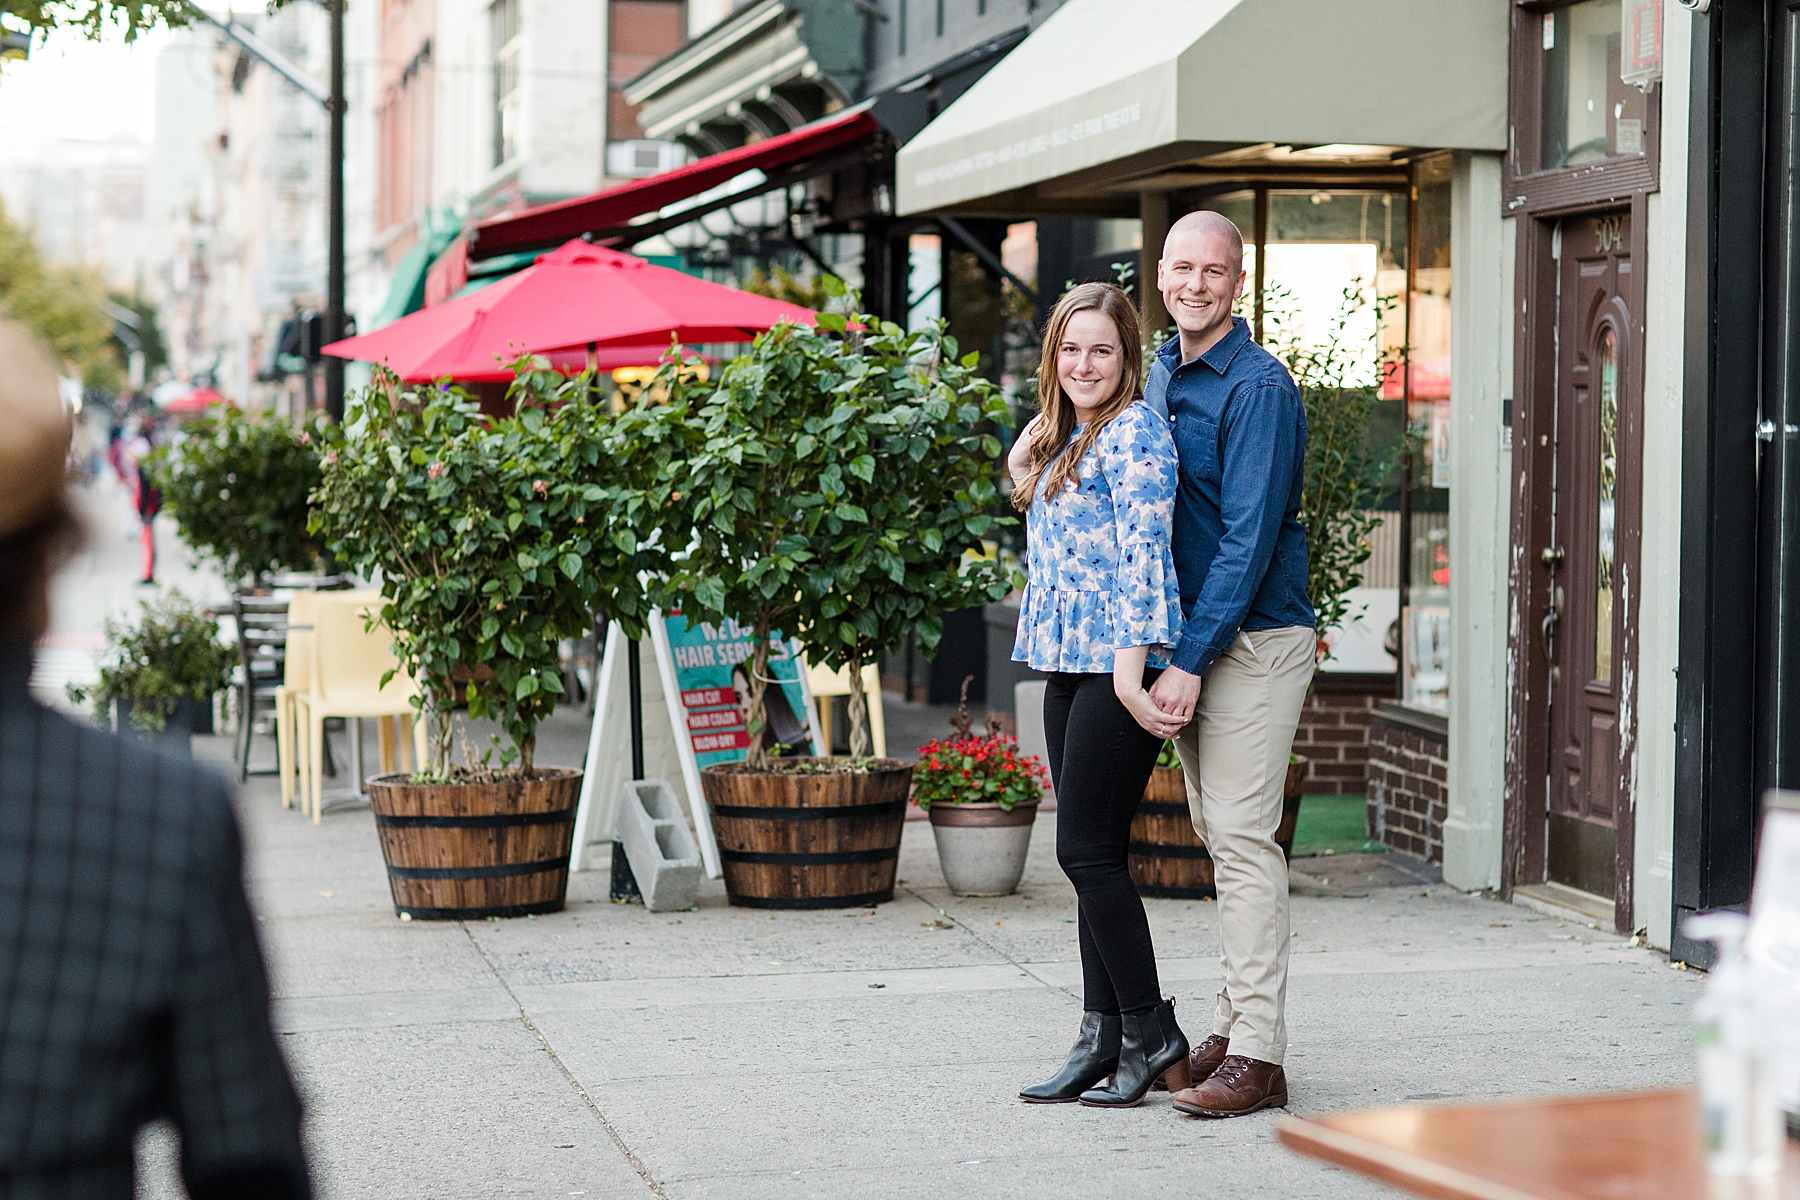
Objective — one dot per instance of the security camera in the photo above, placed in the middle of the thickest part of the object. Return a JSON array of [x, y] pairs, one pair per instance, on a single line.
[[1699, 6]]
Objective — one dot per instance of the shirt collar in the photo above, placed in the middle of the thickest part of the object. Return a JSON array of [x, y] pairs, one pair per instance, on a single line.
[[1220, 356]]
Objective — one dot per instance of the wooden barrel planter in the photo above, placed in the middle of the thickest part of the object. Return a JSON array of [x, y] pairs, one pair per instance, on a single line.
[[465, 851], [1167, 858], [824, 840]]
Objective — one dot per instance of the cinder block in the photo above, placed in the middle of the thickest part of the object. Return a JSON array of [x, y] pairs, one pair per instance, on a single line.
[[659, 845]]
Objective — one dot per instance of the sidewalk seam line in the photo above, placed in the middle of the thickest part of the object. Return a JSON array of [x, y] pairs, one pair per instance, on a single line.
[[960, 924], [637, 1164]]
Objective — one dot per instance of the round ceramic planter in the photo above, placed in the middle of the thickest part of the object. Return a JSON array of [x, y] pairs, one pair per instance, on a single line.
[[982, 847]]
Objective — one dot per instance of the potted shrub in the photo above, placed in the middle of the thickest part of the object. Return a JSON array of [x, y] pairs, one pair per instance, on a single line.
[[237, 484], [158, 676], [982, 797], [806, 491], [492, 540]]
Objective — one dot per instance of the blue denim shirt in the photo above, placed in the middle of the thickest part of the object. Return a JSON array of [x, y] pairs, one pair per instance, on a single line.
[[1240, 431]]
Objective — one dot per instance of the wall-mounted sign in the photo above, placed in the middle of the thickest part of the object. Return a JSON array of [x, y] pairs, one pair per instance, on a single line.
[[1640, 45]]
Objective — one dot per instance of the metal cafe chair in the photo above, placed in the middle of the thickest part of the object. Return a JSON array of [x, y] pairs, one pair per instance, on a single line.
[[262, 648]]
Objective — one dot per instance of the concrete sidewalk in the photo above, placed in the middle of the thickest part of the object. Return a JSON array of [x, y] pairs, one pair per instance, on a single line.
[[609, 1052]]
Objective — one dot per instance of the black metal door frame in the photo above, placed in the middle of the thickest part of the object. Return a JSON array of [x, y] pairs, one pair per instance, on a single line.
[[1718, 751]]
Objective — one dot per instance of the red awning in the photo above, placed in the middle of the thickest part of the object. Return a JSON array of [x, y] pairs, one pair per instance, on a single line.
[[553, 224]]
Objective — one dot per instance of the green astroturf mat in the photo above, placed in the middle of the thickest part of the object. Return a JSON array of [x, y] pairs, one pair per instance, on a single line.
[[1333, 825]]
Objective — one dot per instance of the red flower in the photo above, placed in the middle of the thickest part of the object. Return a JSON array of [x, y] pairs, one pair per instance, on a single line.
[[434, 470]]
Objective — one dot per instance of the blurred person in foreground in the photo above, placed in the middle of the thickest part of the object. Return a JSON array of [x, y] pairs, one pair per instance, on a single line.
[[132, 987]]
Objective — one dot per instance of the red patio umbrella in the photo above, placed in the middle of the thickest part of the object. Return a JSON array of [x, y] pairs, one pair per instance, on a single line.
[[198, 400], [576, 296]]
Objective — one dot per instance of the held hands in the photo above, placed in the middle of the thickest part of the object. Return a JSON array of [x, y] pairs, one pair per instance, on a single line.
[[1175, 695], [1143, 710]]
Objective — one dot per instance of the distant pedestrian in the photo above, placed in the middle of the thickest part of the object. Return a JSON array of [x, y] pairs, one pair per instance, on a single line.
[[1095, 473], [1245, 658], [145, 494], [131, 984]]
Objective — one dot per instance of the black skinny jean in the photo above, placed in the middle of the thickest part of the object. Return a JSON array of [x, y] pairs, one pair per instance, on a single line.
[[1100, 761]]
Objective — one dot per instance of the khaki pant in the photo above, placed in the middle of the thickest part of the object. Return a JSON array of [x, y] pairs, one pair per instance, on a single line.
[[1235, 756]]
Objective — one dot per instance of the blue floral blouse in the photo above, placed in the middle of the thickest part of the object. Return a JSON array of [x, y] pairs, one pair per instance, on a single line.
[[1100, 571]]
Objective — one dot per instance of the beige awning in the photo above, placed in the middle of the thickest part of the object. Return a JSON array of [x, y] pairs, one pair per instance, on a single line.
[[1103, 80]]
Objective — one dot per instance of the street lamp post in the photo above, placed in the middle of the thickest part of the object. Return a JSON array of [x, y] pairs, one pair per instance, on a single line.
[[333, 100], [334, 280]]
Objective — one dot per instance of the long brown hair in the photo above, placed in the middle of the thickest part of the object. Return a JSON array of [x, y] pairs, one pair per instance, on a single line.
[[1047, 445]]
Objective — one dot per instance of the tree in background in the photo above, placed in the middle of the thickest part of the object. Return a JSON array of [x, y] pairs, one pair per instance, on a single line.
[[66, 306], [96, 17]]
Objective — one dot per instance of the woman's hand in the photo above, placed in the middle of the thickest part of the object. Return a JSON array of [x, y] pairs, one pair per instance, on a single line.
[[1018, 459], [1128, 686], [1144, 711]]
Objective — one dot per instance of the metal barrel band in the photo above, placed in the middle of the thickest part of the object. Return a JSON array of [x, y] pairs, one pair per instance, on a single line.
[[564, 816], [827, 858], [1160, 892], [498, 871], [418, 913], [748, 812], [1150, 850], [1164, 808], [860, 900]]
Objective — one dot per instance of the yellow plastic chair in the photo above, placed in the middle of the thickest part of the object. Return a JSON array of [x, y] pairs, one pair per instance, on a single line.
[[826, 683], [348, 661], [296, 677], [303, 607]]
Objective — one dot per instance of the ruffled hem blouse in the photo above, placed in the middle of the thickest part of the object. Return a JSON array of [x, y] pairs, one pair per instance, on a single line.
[[1100, 570]]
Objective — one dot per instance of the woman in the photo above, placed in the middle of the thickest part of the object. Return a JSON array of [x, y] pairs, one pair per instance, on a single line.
[[1095, 471]]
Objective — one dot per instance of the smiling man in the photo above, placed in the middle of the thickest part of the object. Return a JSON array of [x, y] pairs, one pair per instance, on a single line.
[[1241, 670]]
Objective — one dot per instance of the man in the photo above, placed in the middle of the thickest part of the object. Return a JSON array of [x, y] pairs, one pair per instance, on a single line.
[[131, 984], [1240, 674]]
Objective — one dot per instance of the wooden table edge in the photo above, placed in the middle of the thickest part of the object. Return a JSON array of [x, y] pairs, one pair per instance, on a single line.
[[1421, 1176]]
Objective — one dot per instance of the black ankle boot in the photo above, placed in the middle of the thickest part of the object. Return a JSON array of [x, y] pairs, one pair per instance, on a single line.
[[1095, 1056], [1150, 1045]]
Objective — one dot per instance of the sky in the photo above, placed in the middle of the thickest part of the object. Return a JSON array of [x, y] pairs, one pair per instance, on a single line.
[[74, 88]]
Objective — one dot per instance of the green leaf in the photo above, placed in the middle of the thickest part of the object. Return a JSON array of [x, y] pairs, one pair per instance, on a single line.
[[833, 321]]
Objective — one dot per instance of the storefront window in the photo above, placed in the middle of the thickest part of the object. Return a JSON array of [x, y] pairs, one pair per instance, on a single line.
[[1425, 619], [1589, 113], [1335, 273]]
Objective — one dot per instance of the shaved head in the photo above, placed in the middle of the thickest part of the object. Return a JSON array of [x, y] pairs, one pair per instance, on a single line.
[[1206, 223], [1200, 277]]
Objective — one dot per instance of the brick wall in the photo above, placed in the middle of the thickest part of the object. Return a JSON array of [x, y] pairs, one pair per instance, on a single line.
[[1408, 768], [1334, 730]]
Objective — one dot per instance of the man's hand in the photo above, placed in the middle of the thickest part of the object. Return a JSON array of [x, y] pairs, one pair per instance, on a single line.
[[1175, 693]]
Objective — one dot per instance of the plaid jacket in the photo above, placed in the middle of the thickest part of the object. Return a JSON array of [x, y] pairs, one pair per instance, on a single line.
[[131, 983]]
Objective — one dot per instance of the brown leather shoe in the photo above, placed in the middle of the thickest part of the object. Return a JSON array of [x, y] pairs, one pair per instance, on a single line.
[[1238, 1086], [1203, 1059]]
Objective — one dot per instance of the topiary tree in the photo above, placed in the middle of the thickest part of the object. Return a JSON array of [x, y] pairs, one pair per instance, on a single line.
[[924, 470], [237, 484], [493, 539], [834, 480]]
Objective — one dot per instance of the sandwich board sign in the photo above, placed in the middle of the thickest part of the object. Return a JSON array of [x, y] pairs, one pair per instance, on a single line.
[[693, 717]]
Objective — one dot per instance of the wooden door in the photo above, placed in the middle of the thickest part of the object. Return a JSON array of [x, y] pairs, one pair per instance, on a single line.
[[1583, 632]]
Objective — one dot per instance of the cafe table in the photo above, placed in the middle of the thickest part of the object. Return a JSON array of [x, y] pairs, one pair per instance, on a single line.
[[1615, 1146]]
